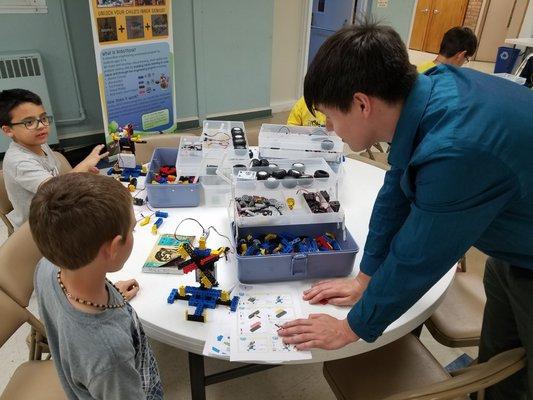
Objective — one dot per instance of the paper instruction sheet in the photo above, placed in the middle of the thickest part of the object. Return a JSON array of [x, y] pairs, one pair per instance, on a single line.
[[260, 311]]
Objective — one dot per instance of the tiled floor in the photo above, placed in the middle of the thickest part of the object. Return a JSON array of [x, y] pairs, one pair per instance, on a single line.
[[288, 382]]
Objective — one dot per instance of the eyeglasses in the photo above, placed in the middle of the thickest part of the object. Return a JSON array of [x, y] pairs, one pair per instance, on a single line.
[[33, 124]]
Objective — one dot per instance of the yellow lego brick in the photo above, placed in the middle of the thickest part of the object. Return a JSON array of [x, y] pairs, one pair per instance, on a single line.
[[145, 221], [182, 252], [131, 188], [202, 242], [154, 229], [181, 290], [206, 282], [224, 296], [270, 236], [290, 203]]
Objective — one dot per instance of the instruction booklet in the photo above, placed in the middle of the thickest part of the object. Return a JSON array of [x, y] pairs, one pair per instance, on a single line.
[[164, 257]]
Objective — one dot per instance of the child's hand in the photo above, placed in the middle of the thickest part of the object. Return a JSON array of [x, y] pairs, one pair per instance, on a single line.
[[89, 163], [128, 288]]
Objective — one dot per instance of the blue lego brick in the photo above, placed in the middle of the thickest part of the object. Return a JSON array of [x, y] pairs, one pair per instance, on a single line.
[[202, 253], [110, 171], [172, 296], [206, 297], [234, 303], [199, 310]]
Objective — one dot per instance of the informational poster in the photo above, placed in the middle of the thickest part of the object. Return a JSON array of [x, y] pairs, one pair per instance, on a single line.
[[134, 59]]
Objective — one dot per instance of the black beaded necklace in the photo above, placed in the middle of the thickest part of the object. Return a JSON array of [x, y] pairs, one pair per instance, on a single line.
[[87, 302]]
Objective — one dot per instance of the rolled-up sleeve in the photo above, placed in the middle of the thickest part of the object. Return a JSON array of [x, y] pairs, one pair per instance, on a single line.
[[457, 194]]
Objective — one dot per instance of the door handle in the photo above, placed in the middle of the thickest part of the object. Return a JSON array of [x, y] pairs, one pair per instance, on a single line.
[[435, 11], [425, 10]]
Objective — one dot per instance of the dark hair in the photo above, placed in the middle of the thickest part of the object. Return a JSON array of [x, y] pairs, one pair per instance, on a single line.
[[73, 215], [367, 58], [11, 98], [456, 40]]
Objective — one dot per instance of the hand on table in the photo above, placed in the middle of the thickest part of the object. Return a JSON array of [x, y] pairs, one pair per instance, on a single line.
[[89, 163], [128, 288], [319, 331], [339, 292]]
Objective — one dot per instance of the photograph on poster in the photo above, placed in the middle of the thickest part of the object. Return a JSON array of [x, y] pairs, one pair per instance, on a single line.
[[134, 27], [159, 25], [107, 29], [114, 3]]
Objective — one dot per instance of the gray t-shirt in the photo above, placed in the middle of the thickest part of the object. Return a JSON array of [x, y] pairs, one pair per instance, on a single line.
[[97, 356], [24, 171]]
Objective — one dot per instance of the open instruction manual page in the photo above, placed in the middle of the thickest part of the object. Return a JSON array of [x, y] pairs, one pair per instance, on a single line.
[[261, 310]]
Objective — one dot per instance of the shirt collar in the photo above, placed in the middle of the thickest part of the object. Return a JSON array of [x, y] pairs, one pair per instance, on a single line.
[[412, 112]]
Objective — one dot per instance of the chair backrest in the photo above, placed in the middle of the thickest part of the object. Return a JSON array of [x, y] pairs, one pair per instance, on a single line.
[[143, 151], [64, 165], [5, 204], [13, 317], [471, 379], [19, 256]]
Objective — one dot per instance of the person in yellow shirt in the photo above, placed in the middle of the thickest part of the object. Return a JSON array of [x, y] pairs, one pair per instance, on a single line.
[[301, 116], [456, 48]]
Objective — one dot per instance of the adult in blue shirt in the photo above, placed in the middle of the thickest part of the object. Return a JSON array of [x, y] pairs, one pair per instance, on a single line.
[[461, 176]]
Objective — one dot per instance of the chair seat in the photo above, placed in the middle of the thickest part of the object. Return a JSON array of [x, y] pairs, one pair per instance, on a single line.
[[402, 365], [36, 380], [457, 321]]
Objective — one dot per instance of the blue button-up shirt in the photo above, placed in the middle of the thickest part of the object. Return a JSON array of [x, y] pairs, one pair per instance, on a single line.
[[461, 175]]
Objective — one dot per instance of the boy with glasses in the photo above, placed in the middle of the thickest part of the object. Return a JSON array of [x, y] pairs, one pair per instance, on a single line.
[[29, 161], [457, 47]]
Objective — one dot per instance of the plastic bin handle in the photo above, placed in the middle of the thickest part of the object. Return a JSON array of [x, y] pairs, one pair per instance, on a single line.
[[299, 264]]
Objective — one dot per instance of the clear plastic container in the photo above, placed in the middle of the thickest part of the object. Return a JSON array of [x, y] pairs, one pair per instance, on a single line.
[[189, 156], [217, 192], [217, 138], [289, 141]]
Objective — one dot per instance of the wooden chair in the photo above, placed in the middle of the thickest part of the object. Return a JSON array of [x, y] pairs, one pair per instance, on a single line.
[[64, 165], [458, 319], [19, 256], [359, 157], [35, 379], [405, 370], [5, 205], [380, 156]]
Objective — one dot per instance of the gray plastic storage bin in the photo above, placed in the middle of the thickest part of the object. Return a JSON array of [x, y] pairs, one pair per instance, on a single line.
[[297, 266], [169, 195]]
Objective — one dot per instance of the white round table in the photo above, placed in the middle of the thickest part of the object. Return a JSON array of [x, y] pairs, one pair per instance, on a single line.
[[166, 323]]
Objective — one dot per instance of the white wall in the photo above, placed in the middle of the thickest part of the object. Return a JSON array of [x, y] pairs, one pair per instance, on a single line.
[[527, 25], [287, 53]]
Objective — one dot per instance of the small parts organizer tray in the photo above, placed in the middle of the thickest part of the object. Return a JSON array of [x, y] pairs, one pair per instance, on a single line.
[[285, 192], [294, 264], [288, 141], [171, 193]]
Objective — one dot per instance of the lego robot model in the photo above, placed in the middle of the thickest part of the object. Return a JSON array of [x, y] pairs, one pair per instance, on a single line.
[[203, 261]]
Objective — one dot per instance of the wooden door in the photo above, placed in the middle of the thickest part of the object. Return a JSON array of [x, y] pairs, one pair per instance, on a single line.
[[422, 16], [503, 20], [445, 14]]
